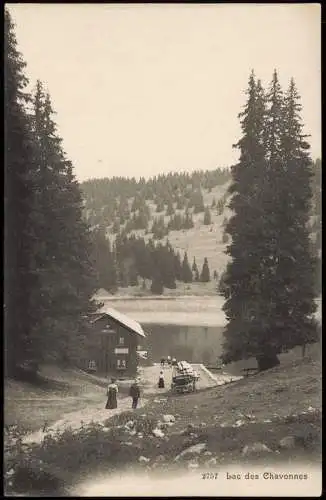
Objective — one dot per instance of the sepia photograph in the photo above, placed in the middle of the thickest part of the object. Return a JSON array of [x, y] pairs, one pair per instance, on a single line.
[[162, 250]]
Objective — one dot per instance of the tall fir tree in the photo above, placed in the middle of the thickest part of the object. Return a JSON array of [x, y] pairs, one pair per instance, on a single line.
[[177, 267], [20, 277], [67, 273], [241, 282], [186, 271], [271, 265], [103, 261], [207, 216], [195, 272], [205, 274], [297, 264]]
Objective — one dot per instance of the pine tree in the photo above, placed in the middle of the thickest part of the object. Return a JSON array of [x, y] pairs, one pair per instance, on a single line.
[[68, 279], [195, 272], [186, 271], [177, 267], [297, 266], [240, 284], [187, 221], [103, 261], [166, 260], [268, 285], [20, 275], [225, 237], [205, 274], [207, 217]]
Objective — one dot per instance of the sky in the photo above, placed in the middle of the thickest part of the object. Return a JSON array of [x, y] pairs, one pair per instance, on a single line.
[[144, 89]]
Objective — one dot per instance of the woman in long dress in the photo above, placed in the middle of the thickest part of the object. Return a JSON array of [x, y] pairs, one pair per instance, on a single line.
[[112, 392], [161, 381]]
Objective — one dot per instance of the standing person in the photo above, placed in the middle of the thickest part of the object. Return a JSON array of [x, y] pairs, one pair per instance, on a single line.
[[161, 381], [162, 362], [134, 393], [174, 362], [112, 392]]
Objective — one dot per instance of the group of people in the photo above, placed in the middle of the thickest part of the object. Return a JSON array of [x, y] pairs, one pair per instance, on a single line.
[[134, 391], [112, 394], [168, 361]]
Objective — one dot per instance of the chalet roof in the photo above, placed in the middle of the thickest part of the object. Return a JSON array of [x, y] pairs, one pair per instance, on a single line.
[[121, 318]]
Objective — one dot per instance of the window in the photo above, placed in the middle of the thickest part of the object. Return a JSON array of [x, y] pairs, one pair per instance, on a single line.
[[121, 340], [92, 364], [121, 364]]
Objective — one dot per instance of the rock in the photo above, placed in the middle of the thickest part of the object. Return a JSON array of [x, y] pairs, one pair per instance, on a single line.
[[140, 435], [168, 418], [162, 425], [193, 465], [208, 453], [128, 443], [158, 433], [143, 459], [267, 421], [10, 472], [195, 407], [211, 462], [288, 443], [192, 450], [255, 449], [238, 423], [202, 424]]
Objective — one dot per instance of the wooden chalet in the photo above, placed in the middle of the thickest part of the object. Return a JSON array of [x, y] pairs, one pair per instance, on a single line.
[[118, 339]]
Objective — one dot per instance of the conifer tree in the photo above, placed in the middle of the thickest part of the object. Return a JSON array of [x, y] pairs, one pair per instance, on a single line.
[[297, 265], [177, 267], [186, 271], [207, 217], [195, 272], [68, 277], [240, 283], [20, 275], [205, 274], [268, 285], [103, 261]]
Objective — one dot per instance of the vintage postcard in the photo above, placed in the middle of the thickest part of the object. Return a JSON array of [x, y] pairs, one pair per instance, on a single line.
[[162, 264]]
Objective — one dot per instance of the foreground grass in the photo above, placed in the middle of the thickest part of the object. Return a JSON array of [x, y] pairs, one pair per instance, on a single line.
[[268, 407]]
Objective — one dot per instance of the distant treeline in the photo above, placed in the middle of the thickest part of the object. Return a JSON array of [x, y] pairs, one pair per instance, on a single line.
[[117, 200], [131, 259]]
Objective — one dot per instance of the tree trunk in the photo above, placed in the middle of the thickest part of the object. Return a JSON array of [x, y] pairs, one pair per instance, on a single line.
[[267, 361]]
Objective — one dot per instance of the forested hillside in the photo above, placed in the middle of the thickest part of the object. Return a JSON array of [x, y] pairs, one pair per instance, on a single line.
[[182, 214]]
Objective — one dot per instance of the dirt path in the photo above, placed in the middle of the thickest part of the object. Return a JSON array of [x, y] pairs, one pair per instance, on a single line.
[[91, 413], [94, 410]]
